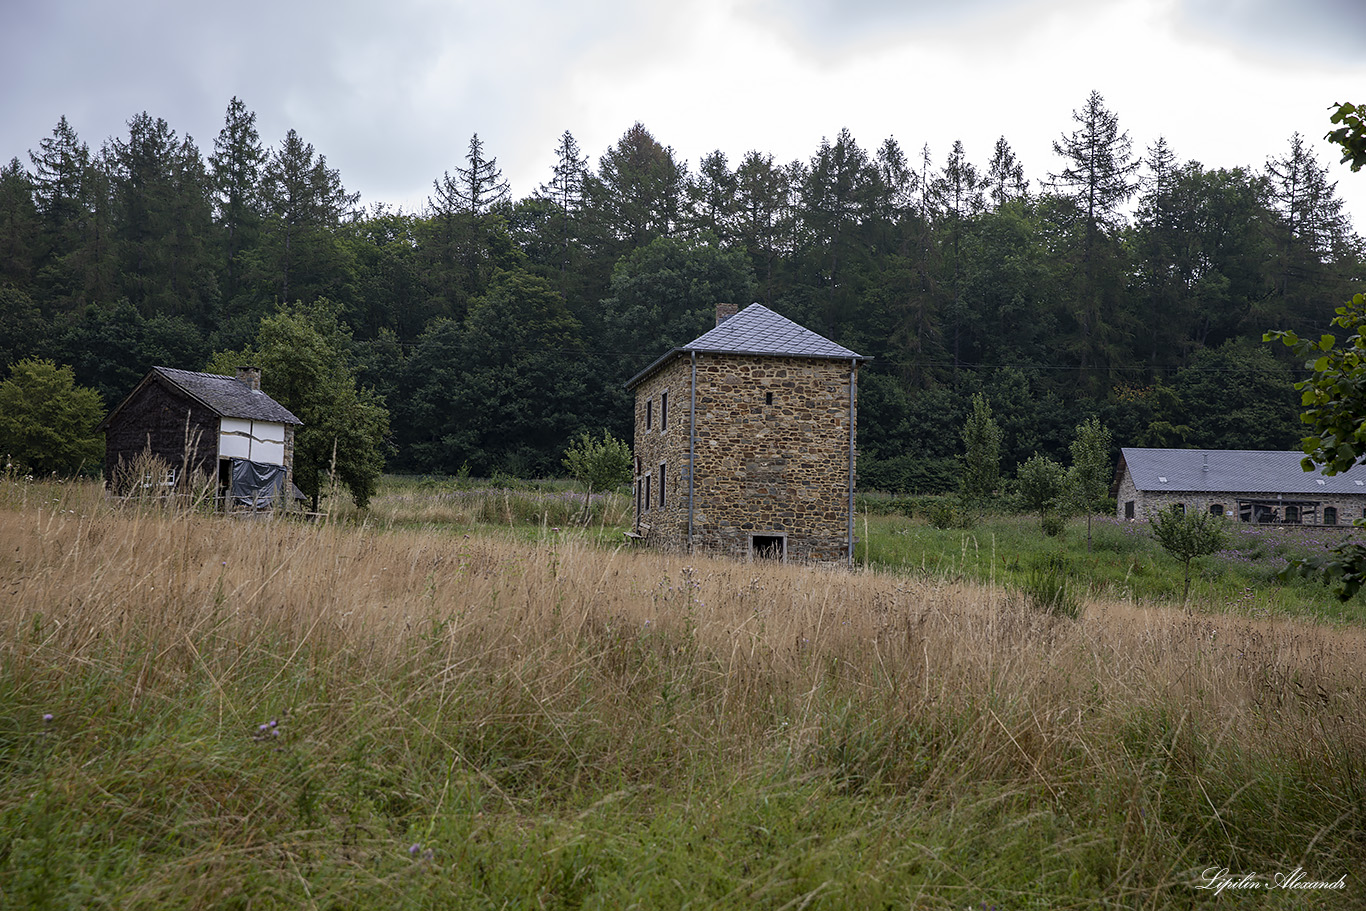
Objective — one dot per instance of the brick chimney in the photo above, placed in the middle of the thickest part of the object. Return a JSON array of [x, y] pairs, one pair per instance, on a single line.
[[250, 377], [724, 312]]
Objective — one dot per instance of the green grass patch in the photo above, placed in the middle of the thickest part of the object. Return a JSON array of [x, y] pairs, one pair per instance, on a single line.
[[1122, 563]]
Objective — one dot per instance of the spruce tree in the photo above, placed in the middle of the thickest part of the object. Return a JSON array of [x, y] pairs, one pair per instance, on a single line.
[[1005, 178], [474, 189], [235, 170]]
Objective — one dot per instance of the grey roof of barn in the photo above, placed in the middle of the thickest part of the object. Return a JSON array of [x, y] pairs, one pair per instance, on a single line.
[[226, 396], [756, 330], [1234, 471]]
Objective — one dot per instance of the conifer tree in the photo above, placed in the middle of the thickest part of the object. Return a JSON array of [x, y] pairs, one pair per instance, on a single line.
[[304, 203], [763, 211], [474, 189], [1005, 178], [637, 193], [235, 170], [566, 192], [18, 226], [1099, 168], [1096, 180]]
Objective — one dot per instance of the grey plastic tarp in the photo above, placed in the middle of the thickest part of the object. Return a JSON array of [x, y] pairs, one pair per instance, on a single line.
[[256, 485]]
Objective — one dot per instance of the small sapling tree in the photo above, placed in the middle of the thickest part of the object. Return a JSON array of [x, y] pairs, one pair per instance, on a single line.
[[598, 464], [981, 452], [1042, 485], [1088, 481], [1188, 535]]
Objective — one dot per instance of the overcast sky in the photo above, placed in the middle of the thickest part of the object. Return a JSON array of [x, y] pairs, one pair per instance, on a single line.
[[391, 92]]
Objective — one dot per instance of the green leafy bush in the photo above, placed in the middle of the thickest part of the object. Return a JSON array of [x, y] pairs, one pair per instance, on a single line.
[[1048, 587]]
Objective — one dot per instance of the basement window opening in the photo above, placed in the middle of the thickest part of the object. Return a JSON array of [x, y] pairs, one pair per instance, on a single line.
[[768, 547]]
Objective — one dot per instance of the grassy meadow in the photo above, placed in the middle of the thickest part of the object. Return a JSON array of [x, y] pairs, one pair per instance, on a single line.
[[448, 703]]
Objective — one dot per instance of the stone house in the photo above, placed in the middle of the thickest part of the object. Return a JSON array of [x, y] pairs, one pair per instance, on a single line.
[[221, 428], [745, 441], [1256, 487]]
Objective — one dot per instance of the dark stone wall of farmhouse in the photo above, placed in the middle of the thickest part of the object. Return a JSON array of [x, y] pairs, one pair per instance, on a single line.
[[772, 453], [168, 425]]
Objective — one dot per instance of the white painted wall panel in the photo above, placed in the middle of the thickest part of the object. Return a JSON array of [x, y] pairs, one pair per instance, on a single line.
[[267, 453], [234, 446], [270, 432], [235, 425], [257, 441]]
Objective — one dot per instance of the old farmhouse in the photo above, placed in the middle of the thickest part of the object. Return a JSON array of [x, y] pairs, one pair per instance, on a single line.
[[221, 427], [745, 441], [1257, 487]]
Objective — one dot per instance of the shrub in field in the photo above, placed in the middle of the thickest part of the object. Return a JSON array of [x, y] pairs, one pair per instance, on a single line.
[[1048, 587], [948, 513], [1040, 485], [1054, 524]]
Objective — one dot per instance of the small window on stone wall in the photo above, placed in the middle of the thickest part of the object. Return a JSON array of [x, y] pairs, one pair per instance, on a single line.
[[1128, 509], [768, 547], [649, 412], [661, 475], [663, 411], [1216, 509], [1330, 515], [768, 398]]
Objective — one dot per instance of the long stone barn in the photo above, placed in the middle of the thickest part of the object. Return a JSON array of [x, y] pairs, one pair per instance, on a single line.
[[745, 442], [1262, 488]]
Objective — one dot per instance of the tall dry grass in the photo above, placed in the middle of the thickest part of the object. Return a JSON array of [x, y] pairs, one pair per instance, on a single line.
[[1158, 742]]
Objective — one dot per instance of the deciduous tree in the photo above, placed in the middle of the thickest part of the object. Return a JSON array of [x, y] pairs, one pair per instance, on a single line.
[[47, 422], [302, 352], [1187, 536], [981, 452], [1042, 485], [598, 464], [1088, 480]]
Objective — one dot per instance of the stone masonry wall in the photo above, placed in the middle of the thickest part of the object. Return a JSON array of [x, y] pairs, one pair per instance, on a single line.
[[779, 469], [664, 442]]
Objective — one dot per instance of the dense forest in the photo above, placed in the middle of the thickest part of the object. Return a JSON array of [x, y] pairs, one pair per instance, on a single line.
[[1129, 284]]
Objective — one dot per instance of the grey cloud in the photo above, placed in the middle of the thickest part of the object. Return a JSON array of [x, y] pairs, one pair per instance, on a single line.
[[1331, 29], [839, 23]]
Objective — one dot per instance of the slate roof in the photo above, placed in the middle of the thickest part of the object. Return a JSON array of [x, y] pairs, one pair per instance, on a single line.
[[757, 330], [1235, 471], [226, 396]]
